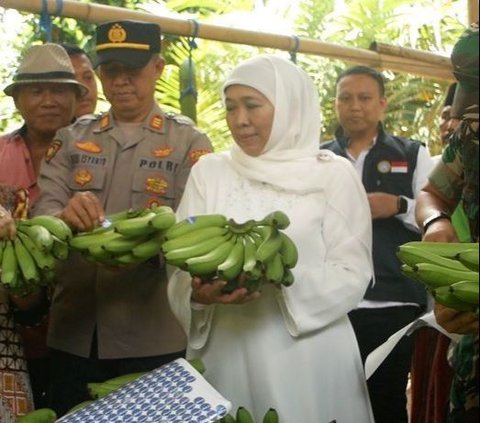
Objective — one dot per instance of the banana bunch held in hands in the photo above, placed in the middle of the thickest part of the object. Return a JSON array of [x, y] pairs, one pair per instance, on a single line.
[[448, 270], [212, 246], [128, 237], [28, 261]]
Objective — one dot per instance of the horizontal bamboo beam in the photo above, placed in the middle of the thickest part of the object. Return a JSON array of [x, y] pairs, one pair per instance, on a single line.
[[96, 13]]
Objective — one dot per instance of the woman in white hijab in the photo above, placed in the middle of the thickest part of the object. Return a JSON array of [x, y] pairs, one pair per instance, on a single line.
[[291, 348]]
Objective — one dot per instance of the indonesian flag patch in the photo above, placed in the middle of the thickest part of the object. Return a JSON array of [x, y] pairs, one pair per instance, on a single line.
[[399, 167]]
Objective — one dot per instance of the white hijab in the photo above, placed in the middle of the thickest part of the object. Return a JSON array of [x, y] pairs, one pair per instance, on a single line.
[[292, 149]]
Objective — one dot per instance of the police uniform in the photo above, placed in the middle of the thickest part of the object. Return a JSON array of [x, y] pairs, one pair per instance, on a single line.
[[119, 315]]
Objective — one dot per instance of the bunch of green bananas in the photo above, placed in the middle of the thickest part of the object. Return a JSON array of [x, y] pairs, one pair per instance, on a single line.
[[213, 246], [27, 261], [448, 270], [42, 415], [242, 415], [128, 237]]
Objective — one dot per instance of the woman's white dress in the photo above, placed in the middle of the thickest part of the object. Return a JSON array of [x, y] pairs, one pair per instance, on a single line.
[[293, 349]]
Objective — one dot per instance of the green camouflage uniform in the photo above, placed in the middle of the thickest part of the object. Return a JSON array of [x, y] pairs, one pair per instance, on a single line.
[[456, 176]]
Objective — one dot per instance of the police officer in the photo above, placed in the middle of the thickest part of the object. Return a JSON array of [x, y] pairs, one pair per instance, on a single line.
[[107, 322], [393, 170]]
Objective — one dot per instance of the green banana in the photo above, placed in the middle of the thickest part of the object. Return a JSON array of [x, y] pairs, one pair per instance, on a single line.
[[409, 272], [135, 226], [207, 264], [250, 260], [2, 246], [188, 91], [40, 235], [91, 239], [60, 249], [288, 278], [123, 244], [444, 249], [193, 223], [164, 220], [274, 269], [102, 389], [98, 253], [44, 261], [271, 244], [197, 364], [42, 415], [230, 269], [412, 255], [466, 291], [288, 251], [244, 416], [26, 263], [54, 225], [178, 257], [241, 228], [228, 419], [435, 276], [127, 259], [271, 416], [444, 296], [193, 238], [151, 247], [9, 273], [276, 218], [469, 258]]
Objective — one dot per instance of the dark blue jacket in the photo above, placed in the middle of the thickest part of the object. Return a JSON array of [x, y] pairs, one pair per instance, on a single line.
[[389, 168]]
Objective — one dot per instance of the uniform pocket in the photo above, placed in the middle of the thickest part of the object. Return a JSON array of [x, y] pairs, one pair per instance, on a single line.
[[84, 178], [152, 188]]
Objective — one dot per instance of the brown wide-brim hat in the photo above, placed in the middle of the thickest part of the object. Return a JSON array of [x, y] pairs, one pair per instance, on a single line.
[[45, 63]]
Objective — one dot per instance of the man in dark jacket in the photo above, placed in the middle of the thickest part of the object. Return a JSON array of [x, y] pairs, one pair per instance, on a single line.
[[393, 170]]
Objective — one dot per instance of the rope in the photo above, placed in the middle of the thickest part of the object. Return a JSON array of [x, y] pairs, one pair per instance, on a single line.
[[294, 51], [192, 44], [45, 20]]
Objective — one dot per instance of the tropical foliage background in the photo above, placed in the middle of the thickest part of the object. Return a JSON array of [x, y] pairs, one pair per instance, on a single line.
[[414, 102]]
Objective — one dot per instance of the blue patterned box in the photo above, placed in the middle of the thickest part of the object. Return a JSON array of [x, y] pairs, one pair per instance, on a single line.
[[173, 393]]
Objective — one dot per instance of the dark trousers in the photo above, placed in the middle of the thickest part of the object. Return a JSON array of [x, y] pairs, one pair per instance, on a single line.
[[69, 375], [387, 386]]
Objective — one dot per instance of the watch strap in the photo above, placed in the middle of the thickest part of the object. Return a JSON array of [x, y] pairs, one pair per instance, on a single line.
[[433, 218]]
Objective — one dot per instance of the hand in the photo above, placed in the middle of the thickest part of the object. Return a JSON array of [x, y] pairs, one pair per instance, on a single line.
[[8, 229], [211, 293], [83, 211], [382, 205], [453, 321]]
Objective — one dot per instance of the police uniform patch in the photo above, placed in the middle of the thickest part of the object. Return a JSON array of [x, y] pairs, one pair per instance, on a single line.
[[399, 167], [384, 166], [105, 122], [162, 152], [156, 185], [196, 154], [88, 146], [83, 177], [156, 122], [53, 150], [117, 34]]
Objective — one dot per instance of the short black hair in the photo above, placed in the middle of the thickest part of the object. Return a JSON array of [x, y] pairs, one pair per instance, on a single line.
[[450, 95], [364, 70], [73, 50]]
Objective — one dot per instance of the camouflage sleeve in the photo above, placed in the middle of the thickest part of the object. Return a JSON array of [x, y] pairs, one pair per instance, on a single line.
[[447, 175], [198, 145], [53, 179]]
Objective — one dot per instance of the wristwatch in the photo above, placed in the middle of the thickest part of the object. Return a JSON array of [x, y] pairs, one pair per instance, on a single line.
[[433, 218], [402, 205]]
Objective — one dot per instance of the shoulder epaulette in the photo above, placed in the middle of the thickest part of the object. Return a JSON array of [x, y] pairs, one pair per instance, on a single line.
[[181, 119]]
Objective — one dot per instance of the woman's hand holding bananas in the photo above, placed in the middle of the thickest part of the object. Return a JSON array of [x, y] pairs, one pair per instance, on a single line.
[[453, 321], [7, 224], [213, 292]]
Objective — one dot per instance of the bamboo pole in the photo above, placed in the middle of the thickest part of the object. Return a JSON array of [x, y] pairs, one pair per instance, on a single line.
[[96, 13]]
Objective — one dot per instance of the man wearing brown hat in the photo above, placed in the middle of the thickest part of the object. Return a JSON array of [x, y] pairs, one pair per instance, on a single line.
[[106, 322], [45, 92], [455, 179]]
